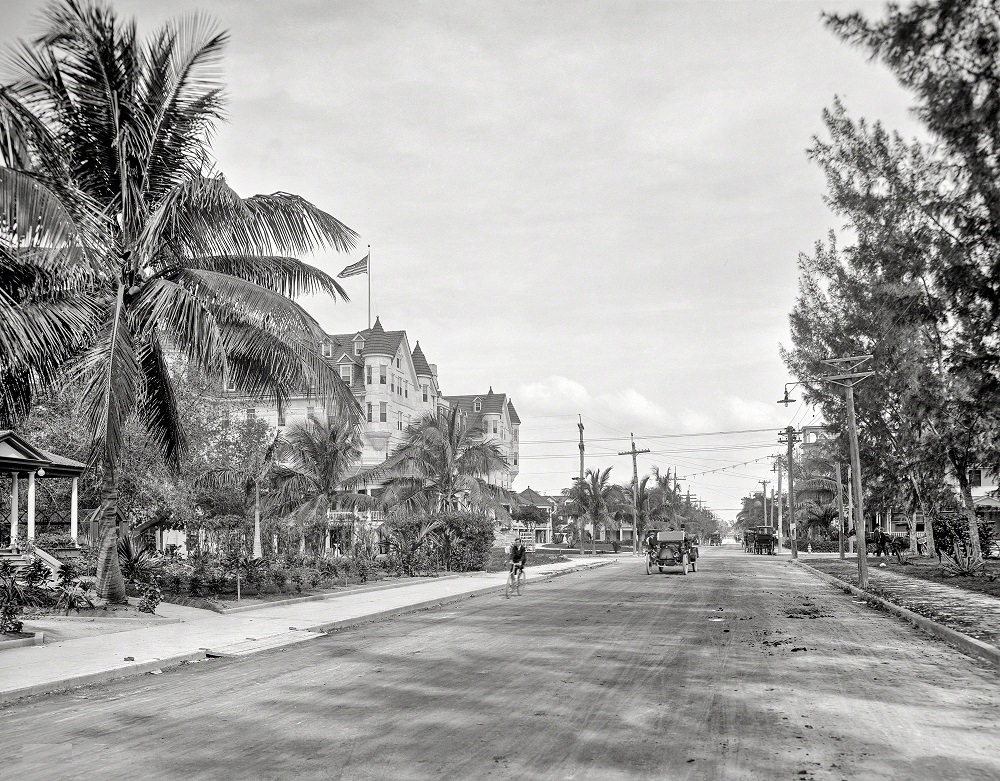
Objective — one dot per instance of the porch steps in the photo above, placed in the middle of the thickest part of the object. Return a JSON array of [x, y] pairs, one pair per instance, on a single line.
[[17, 560]]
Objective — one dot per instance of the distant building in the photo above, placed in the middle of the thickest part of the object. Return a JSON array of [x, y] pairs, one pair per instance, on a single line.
[[395, 385], [494, 413], [542, 533]]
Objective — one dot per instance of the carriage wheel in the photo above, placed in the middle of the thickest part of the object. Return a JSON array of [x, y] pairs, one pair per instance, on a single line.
[[685, 562]]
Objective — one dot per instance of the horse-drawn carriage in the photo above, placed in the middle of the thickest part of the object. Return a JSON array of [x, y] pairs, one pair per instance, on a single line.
[[715, 539], [760, 540], [670, 549]]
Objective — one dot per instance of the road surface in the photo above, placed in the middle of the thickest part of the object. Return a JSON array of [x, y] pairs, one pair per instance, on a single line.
[[748, 669]]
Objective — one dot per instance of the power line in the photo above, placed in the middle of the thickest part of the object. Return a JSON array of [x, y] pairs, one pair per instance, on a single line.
[[651, 436]]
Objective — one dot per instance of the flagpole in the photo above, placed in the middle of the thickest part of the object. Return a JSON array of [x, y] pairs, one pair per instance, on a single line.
[[369, 286]]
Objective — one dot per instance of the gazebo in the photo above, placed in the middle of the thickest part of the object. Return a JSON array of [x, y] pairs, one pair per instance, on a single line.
[[22, 461]]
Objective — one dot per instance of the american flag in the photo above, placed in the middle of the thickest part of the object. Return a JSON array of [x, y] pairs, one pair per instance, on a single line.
[[361, 267]]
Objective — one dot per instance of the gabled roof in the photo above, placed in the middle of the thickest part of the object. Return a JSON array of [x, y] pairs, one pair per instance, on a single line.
[[378, 341], [17, 454], [420, 365], [492, 404], [536, 499]]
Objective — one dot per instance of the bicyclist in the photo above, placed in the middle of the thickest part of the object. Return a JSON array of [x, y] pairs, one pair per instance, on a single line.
[[518, 556]]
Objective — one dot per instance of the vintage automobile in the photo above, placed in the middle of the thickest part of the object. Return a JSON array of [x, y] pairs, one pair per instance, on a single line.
[[670, 549]]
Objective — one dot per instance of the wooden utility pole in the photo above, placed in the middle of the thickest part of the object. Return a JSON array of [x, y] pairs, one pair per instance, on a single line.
[[635, 491], [793, 534], [840, 508], [777, 466], [763, 499], [579, 425], [851, 377]]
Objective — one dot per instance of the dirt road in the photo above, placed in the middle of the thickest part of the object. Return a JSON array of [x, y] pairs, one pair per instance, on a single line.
[[748, 669]]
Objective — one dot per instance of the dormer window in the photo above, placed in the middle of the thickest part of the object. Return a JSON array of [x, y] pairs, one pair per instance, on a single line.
[[345, 373], [477, 405], [359, 345], [327, 349]]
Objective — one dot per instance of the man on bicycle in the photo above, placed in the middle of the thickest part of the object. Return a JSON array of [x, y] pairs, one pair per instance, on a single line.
[[518, 556]]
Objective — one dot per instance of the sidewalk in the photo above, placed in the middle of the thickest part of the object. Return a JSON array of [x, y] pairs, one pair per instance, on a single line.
[[196, 635], [968, 620]]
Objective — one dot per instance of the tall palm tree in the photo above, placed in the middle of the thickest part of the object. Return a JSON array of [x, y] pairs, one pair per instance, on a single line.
[[596, 498], [120, 249], [317, 461], [653, 507], [442, 465], [246, 478]]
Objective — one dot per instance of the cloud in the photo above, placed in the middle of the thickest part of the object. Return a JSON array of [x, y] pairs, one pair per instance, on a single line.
[[626, 409]]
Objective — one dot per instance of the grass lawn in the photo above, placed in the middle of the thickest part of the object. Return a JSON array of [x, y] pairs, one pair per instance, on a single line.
[[925, 569]]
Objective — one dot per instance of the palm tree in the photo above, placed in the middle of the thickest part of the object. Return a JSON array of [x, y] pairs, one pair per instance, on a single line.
[[314, 476], [246, 478], [119, 249], [442, 465], [597, 498], [652, 505]]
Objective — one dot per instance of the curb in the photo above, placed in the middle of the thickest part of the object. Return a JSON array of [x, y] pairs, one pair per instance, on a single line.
[[968, 645], [101, 676], [140, 668]]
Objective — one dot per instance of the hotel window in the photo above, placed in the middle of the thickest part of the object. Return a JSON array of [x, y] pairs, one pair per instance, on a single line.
[[515, 460], [392, 384], [346, 374], [371, 418], [358, 347], [381, 375], [423, 389], [399, 421], [327, 350], [515, 435], [397, 362], [478, 406], [494, 427], [406, 390], [368, 375], [383, 412], [251, 413], [975, 478]]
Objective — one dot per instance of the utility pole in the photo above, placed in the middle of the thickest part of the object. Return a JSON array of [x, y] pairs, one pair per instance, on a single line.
[[790, 439], [850, 510], [763, 499], [851, 377], [579, 425], [635, 491], [777, 467], [840, 508]]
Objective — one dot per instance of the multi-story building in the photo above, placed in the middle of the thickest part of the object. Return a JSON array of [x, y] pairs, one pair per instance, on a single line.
[[395, 385], [494, 413]]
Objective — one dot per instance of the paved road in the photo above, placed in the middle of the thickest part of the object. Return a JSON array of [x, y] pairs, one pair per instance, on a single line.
[[748, 669]]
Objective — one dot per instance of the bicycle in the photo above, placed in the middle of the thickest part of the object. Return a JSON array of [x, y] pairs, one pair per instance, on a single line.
[[515, 581]]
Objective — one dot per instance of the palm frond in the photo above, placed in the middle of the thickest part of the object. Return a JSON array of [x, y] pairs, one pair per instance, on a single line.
[[112, 383], [157, 409], [169, 307]]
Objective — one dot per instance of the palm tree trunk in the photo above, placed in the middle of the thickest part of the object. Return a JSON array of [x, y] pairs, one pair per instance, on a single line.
[[975, 549], [258, 548], [582, 541], [110, 583]]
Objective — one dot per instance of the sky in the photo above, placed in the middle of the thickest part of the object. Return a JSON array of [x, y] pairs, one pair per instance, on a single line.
[[594, 207]]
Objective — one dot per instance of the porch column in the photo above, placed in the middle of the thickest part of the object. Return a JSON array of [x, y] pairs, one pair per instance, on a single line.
[[31, 505], [74, 497], [14, 505]]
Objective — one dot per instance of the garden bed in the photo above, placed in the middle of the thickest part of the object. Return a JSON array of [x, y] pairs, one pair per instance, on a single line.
[[923, 569]]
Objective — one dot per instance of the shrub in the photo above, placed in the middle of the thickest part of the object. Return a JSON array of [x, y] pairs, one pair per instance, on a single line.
[[467, 538], [50, 540]]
